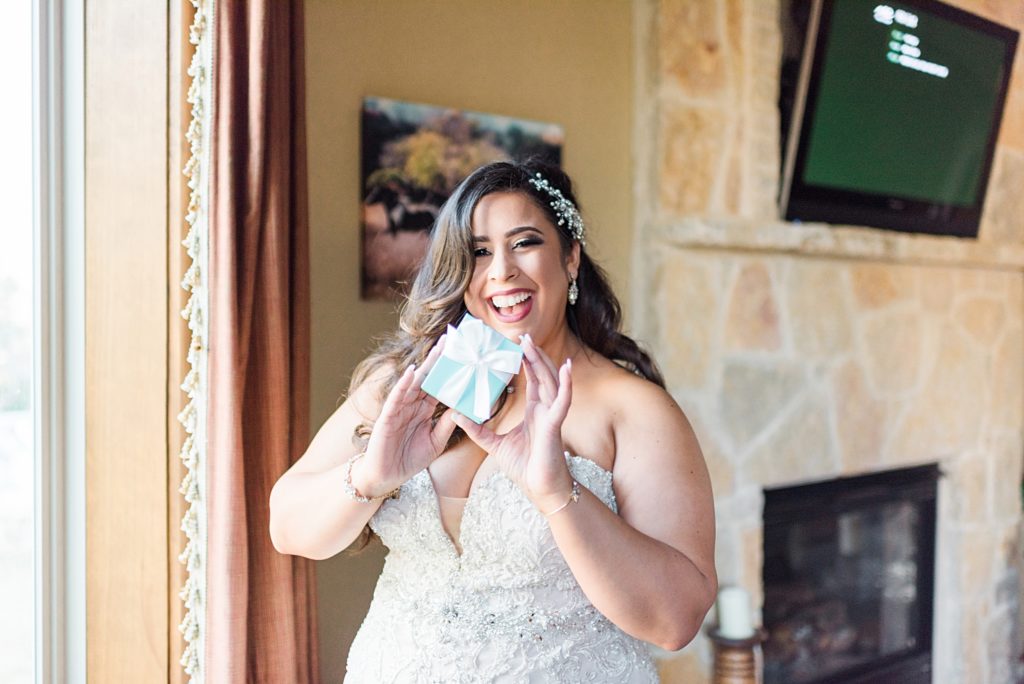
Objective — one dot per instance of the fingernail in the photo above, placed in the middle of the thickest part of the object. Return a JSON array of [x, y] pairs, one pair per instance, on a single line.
[[568, 362]]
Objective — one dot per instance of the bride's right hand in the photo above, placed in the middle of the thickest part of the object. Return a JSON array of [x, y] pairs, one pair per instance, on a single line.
[[403, 442]]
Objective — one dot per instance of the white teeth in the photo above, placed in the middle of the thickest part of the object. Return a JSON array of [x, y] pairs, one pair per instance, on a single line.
[[503, 301]]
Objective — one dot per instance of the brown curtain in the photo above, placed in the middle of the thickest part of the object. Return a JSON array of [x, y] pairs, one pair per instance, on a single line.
[[260, 605]]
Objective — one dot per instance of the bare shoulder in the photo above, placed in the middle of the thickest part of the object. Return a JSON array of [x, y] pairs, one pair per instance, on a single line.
[[639, 409], [334, 441], [368, 398], [656, 453]]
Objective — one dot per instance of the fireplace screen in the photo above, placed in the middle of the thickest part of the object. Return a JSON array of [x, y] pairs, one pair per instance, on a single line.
[[848, 578]]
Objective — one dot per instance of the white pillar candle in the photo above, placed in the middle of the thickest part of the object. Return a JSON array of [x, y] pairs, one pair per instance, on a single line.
[[734, 614]]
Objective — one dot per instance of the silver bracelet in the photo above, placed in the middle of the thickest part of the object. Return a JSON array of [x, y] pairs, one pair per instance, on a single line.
[[574, 497], [351, 490]]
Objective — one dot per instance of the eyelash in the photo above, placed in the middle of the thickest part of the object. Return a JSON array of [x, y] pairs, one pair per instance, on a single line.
[[525, 242]]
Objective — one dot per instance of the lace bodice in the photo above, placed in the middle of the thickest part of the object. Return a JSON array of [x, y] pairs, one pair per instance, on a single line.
[[507, 610]]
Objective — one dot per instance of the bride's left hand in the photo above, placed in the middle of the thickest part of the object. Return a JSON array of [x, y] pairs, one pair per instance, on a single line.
[[531, 454]]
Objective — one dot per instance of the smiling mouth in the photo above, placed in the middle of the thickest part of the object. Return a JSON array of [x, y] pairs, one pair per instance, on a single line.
[[513, 307]]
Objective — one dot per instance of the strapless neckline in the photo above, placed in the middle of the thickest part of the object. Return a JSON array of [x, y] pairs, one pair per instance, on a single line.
[[455, 545]]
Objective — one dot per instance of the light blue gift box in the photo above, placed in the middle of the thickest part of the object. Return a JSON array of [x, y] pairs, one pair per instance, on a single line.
[[474, 369]]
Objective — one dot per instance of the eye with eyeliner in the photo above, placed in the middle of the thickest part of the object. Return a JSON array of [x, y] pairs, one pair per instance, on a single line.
[[527, 242], [523, 242]]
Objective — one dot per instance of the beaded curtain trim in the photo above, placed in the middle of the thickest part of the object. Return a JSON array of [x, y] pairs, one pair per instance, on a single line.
[[193, 415]]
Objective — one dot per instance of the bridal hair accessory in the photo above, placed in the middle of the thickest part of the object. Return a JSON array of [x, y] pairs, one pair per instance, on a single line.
[[351, 490], [574, 291], [568, 214]]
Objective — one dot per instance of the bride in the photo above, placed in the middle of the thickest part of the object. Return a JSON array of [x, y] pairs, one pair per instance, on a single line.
[[550, 542]]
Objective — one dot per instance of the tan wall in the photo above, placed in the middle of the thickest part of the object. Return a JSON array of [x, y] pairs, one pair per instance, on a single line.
[[567, 62]]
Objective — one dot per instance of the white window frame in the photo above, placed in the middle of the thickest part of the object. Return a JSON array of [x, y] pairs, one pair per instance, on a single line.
[[58, 395]]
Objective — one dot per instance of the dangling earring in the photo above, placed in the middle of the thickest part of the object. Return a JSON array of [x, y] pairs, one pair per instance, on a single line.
[[574, 291]]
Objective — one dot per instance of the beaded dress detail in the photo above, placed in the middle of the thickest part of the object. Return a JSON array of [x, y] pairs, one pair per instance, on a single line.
[[508, 609]]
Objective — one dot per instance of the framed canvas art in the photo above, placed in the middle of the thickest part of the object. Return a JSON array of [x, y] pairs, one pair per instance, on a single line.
[[413, 157]]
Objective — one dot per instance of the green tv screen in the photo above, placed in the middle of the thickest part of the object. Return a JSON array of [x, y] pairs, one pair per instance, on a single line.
[[904, 103]]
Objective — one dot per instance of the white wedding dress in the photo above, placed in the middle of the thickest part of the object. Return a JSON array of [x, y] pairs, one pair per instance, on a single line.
[[507, 610]]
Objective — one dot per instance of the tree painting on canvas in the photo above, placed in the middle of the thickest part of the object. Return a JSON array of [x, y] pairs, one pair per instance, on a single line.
[[413, 157]]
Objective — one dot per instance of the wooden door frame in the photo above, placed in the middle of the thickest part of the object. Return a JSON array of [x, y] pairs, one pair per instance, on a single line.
[[134, 336]]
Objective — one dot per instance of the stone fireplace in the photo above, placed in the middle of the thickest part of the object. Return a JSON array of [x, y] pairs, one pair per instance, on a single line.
[[804, 353]]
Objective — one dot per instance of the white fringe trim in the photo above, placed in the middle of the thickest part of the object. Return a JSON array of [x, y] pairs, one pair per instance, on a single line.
[[193, 415]]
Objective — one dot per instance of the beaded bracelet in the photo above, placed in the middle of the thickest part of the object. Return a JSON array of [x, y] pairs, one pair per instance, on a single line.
[[351, 490], [574, 497]]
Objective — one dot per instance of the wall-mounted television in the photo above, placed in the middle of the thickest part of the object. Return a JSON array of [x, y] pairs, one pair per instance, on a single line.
[[895, 115]]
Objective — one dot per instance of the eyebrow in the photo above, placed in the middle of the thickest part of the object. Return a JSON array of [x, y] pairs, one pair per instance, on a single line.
[[514, 231]]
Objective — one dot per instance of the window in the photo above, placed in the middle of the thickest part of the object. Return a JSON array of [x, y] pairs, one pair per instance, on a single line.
[[17, 439], [42, 492]]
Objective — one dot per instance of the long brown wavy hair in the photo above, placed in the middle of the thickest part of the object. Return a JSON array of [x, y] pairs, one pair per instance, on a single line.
[[436, 297]]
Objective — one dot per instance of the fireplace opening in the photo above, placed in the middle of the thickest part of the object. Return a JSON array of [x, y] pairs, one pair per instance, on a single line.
[[849, 579]]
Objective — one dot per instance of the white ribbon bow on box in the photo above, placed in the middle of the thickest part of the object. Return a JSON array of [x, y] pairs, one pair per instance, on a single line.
[[475, 346]]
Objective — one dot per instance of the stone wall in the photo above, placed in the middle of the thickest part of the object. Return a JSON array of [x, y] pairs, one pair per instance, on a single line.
[[808, 352]]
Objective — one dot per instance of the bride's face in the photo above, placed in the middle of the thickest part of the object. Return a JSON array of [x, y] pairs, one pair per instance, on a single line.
[[520, 276]]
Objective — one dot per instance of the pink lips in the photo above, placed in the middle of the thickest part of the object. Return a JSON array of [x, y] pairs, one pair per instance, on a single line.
[[523, 308]]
